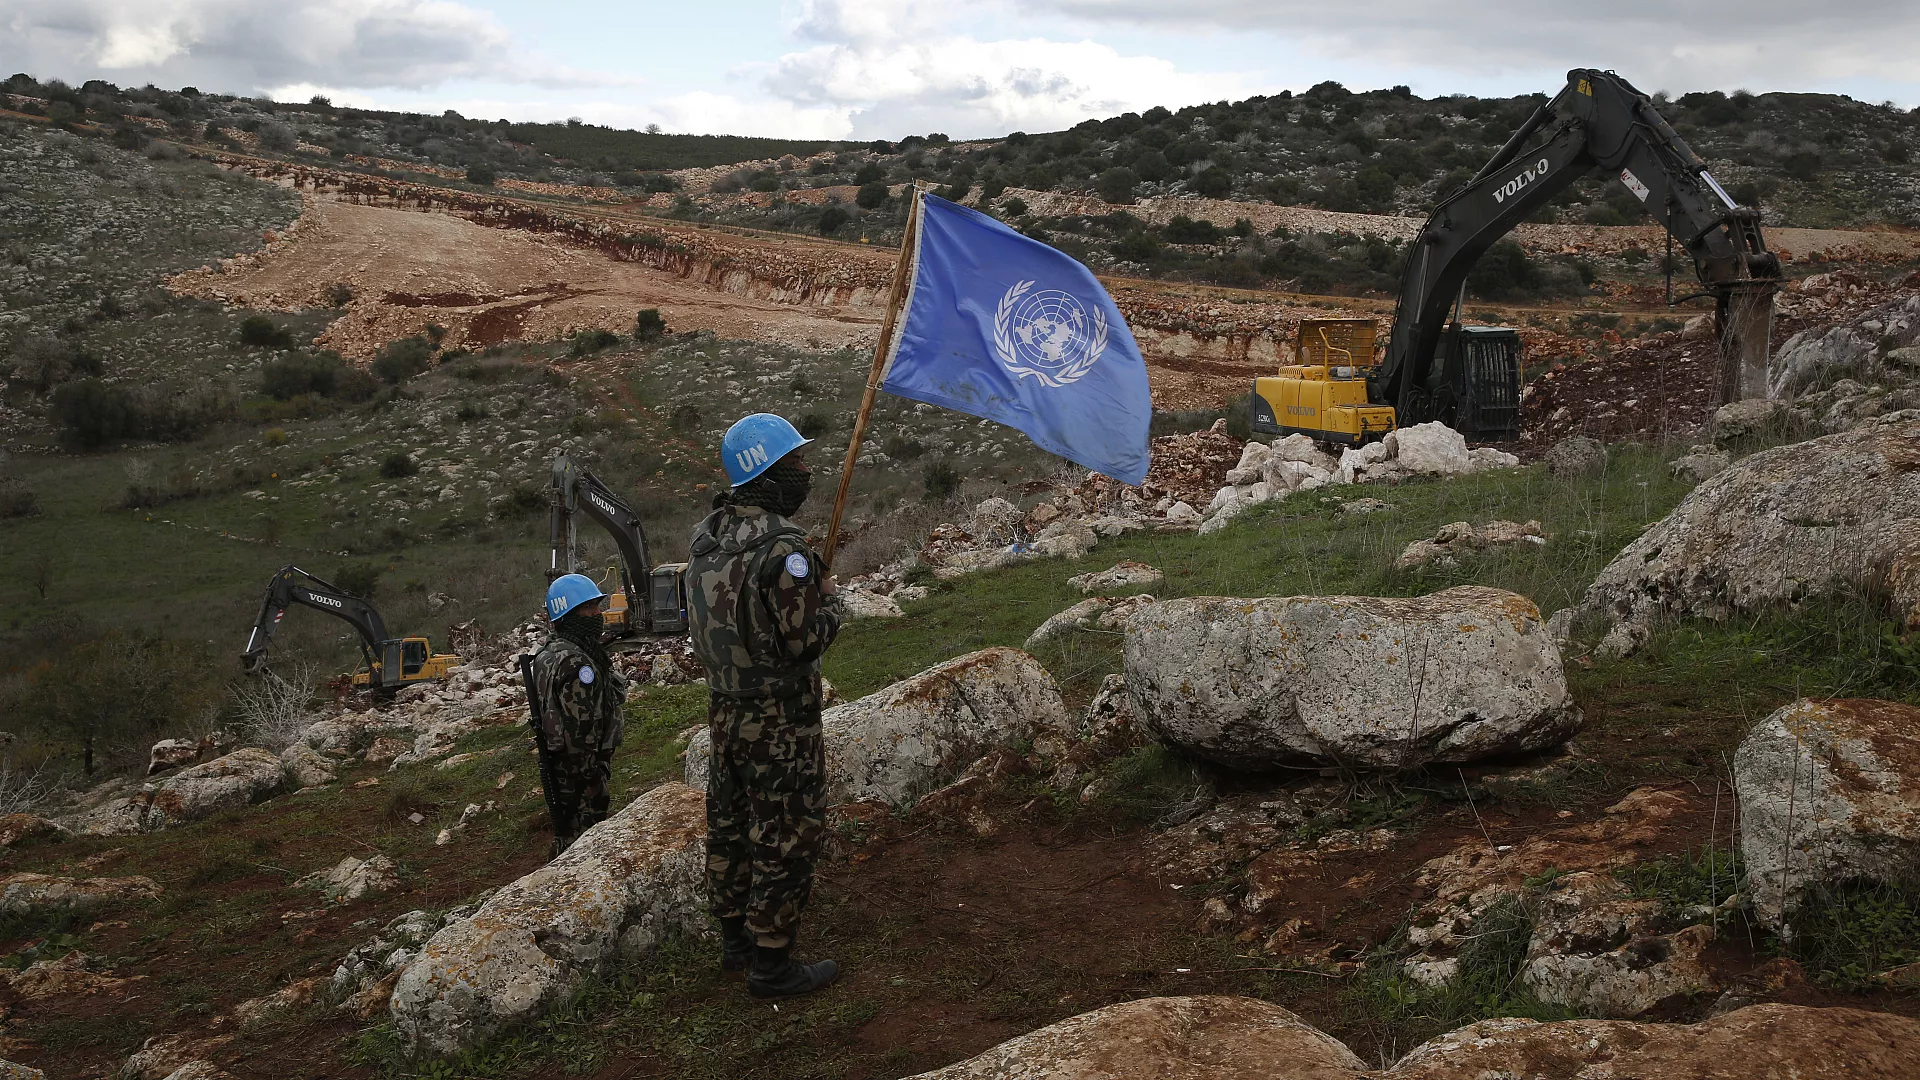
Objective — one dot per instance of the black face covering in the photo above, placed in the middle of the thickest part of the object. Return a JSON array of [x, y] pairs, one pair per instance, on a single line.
[[781, 489], [584, 630]]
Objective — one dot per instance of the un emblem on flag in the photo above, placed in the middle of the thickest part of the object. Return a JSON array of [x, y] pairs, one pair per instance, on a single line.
[[1047, 334]]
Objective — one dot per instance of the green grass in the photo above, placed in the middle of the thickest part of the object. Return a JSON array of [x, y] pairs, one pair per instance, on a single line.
[[1847, 935], [1706, 877]]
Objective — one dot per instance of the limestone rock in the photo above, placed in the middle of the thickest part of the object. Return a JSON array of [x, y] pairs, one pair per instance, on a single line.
[[171, 754], [69, 976], [1361, 681], [1253, 463], [1576, 455], [1834, 512], [306, 767], [921, 733], [1754, 417], [1458, 537], [1065, 539], [1430, 449], [861, 604], [1701, 462], [1181, 512], [21, 828], [1596, 950], [1856, 348], [626, 885], [13, 1071], [352, 878], [1482, 458], [1094, 613], [1174, 1038], [35, 893], [240, 779], [1122, 575], [1829, 793], [1758, 1041]]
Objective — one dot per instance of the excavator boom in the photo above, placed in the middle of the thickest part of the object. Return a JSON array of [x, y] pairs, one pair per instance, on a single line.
[[390, 662], [1598, 120]]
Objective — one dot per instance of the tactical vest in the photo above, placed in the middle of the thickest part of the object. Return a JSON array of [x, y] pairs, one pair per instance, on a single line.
[[553, 677], [733, 633]]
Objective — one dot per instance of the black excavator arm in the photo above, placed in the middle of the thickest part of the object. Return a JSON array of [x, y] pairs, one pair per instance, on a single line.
[[578, 491], [1597, 121], [292, 585]]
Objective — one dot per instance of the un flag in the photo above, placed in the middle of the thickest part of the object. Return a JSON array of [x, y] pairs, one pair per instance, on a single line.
[[1004, 327]]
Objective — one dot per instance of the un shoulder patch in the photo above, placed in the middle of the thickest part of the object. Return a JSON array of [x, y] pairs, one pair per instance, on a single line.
[[797, 567], [586, 674]]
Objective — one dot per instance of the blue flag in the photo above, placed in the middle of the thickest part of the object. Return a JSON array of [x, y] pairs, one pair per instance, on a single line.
[[1001, 326]]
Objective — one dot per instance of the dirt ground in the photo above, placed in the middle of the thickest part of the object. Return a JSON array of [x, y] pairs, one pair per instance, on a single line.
[[407, 269]]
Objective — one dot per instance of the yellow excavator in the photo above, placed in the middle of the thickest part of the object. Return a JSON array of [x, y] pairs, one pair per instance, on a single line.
[[643, 600], [391, 664], [1323, 393]]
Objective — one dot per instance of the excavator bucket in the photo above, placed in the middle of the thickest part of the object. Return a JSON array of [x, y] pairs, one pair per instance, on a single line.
[[1745, 317]]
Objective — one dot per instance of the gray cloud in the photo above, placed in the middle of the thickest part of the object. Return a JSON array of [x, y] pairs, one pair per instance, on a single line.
[[245, 46], [1679, 44]]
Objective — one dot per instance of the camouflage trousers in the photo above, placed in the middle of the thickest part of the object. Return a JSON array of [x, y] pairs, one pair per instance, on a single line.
[[577, 795], [766, 809]]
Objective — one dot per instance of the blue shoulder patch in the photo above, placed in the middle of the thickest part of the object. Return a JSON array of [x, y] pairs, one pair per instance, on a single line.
[[586, 674], [797, 567]]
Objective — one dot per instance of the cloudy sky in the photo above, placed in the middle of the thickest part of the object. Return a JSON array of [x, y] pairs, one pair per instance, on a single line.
[[888, 68]]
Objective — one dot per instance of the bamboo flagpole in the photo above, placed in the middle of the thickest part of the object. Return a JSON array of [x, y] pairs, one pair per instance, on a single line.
[[882, 351]]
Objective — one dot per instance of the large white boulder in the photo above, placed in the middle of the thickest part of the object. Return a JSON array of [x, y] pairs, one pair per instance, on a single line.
[[921, 733], [626, 885], [1173, 1038], [1835, 512], [239, 779], [1107, 613], [1829, 793], [1430, 449], [1370, 682]]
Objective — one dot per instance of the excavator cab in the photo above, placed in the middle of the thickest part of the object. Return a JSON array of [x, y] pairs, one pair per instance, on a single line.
[[413, 658]]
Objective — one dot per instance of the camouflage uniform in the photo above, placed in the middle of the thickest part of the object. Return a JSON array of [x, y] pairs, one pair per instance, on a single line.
[[759, 623], [582, 726]]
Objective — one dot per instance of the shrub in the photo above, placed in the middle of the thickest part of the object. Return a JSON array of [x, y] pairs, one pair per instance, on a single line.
[[17, 498], [649, 325], [832, 219], [941, 479], [1136, 247], [358, 578], [93, 413], [588, 342], [872, 196], [287, 377], [1116, 185], [397, 465], [280, 137], [686, 418], [339, 294], [520, 502], [1212, 183], [43, 362], [481, 173], [813, 425], [261, 332], [356, 384], [275, 436], [1804, 165], [112, 696], [1184, 230], [902, 447], [869, 173], [398, 361], [1014, 207]]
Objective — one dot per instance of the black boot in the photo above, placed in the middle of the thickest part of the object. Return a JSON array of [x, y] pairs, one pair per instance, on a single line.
[[736, 945], [776, 975]]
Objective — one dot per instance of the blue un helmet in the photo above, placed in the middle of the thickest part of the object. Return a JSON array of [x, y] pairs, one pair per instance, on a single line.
[[569, 591], [754, 443]]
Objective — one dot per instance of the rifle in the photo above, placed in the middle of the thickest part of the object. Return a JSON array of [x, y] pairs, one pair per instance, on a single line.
[[536, 711]]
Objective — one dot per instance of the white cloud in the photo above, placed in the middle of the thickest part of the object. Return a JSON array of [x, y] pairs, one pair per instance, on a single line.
[[247, 46], [893, 69], [1675, 44]]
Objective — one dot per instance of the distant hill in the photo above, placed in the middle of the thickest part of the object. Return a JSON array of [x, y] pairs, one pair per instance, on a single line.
[[614, 149]]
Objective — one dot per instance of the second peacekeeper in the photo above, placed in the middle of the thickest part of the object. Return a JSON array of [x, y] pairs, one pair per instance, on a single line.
[[760, 615], [581, 719]]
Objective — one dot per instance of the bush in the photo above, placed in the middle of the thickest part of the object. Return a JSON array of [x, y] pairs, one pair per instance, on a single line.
[[398, 361], [358, 578], [520, 502], [1184, 230], [287, 377], [941, 479], [1014, 207], [902, 447], [1212, 183], [113, 696], [93, 413], [813, 425], [872, 196], [481, 173], [588, 342], [1116, 185], [356, 384], [43, 362], [649, 325], [261, 332], [397, 465], [280, 137], [339, 294], [832, 220], [1801, 166], [17, 498], [869, 173]]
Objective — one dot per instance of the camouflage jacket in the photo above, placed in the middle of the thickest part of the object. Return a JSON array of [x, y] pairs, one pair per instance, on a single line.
[[758, 619], [580, 703]]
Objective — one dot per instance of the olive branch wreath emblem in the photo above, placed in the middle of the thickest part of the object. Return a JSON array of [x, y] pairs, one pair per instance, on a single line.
[[1010, 358]]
